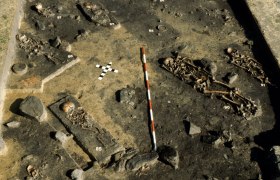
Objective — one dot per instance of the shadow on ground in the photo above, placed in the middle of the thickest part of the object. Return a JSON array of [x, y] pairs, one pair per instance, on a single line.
[[264, 55]]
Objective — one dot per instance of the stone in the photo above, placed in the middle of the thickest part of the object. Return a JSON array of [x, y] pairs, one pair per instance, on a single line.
[[231, 77], [13, 124], [32, 107], [208, 65], [56, 42], [77, 174], [191, 128], [66, 46], [120, 162], [211, 137], [40, 25], [212, 68], [61, 137], [169, 155], [141, 160], [126, 95], [19, 68], [82, 34], [94, 139]]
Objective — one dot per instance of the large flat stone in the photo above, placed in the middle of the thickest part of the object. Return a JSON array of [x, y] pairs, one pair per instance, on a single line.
[[33, 108], [95, 140]]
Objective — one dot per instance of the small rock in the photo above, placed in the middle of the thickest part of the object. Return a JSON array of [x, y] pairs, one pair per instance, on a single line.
[[56, 42], [59, 8], [191, 128], [33, 108], [208, 65], [138, 161], [82, 34], [116, 26], [66, 46], [61, 137], [39, 7], [32, 171], [231, 77], [250, 43], [78, 18], [169, 155], [40, 25], [124, 157], [19, 68], [218, 142], [127, 96], [13, 124], [211, 138], [29, 158], [77, 174]]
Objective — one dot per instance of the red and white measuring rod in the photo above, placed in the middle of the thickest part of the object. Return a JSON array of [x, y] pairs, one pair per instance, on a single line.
[[153, 130]]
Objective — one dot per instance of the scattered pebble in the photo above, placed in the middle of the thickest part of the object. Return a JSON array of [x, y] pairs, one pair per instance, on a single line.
[[98, 149], [39, 7], [226, 107], [191, 128], [62, 137], [77, 174], [231, 77], [70, 56], [13, 124], [32, 171], [66, 46]]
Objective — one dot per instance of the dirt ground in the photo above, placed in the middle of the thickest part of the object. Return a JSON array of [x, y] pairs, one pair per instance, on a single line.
[[195, 28]]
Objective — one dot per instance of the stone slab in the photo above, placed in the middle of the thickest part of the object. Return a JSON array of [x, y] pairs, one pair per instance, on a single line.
[[95, 140], [267, 16], [33, 108]]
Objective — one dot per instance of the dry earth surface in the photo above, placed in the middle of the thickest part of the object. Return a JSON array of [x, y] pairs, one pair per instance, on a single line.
[[193, 28]]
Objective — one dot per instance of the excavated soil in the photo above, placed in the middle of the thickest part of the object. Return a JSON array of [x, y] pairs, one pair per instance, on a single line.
[[193, 28]]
